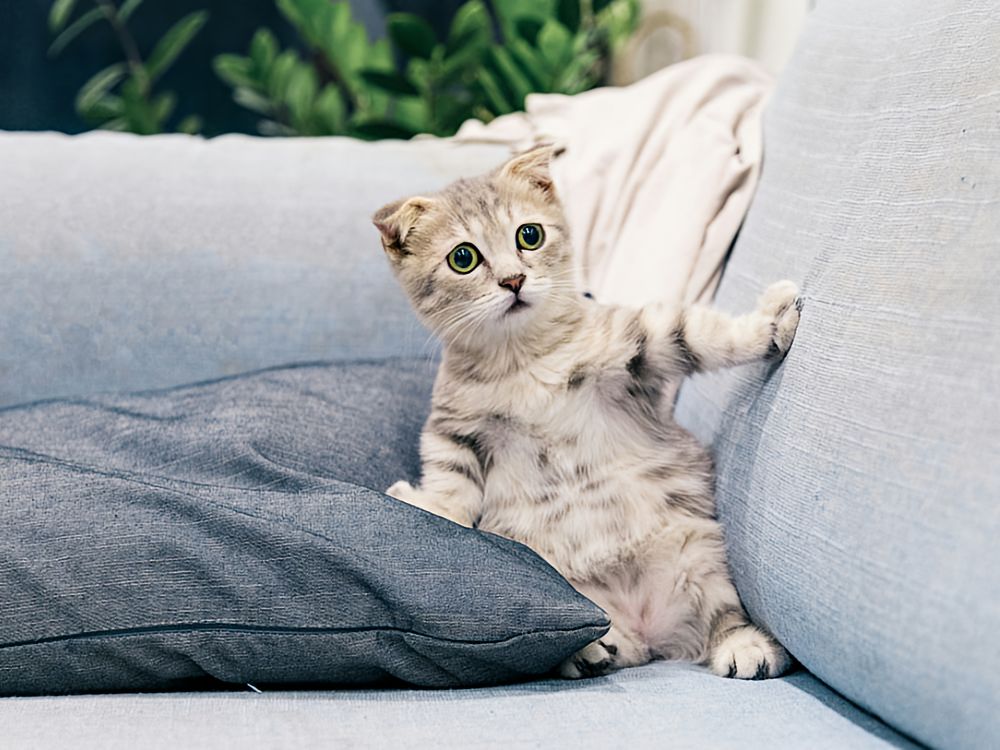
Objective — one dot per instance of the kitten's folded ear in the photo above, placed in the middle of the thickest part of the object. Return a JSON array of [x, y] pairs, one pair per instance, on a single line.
[[534, 167], [395, 221]]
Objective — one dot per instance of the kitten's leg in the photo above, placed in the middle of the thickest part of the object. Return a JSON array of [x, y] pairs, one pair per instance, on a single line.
[[452, 483], [738, 648], [451, 506], [731, 645], [616, 649], [701, 338]]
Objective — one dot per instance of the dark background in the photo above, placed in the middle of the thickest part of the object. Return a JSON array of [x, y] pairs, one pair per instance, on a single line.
[[37, 92]]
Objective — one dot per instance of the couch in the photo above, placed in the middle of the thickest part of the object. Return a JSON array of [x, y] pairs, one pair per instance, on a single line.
[[858, 482]]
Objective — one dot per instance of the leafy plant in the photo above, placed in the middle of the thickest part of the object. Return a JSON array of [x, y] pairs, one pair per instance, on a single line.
[[122, 97], [347, 84]]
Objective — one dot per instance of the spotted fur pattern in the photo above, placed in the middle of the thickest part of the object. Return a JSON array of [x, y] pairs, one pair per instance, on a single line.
[[547, 427]]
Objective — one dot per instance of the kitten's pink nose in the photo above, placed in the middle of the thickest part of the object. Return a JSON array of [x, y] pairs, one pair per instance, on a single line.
[[513, 282]]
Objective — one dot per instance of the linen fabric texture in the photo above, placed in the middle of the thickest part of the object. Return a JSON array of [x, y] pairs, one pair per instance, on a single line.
[[663, 704], [858, 481], [134, 262], [231, 532]]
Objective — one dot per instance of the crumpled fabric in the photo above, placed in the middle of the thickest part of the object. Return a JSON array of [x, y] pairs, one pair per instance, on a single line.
[[655, 177]]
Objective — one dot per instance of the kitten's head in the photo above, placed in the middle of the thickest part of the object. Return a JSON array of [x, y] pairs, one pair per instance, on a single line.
[[484, 259]]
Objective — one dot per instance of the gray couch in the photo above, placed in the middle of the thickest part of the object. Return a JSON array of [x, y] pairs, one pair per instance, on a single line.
[[859, 482]]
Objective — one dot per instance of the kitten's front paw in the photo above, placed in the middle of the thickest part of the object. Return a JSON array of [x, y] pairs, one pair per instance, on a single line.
[[781, 304], [401, 490], [593, 660], [749, 654]]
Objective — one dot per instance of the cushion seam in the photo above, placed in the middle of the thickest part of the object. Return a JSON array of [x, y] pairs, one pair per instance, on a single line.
[[276, 630]]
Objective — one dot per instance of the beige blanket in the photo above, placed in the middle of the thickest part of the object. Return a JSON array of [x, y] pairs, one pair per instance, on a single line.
[[656, 177]]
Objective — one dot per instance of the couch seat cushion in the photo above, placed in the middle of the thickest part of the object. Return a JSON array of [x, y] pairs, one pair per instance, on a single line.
[[658, 706]]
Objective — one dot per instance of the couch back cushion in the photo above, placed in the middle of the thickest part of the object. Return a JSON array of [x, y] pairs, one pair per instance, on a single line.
[[859, 481], [132, 262]]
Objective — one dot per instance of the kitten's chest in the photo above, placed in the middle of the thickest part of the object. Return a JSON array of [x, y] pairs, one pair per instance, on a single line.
[[547, 439], [577, 412]]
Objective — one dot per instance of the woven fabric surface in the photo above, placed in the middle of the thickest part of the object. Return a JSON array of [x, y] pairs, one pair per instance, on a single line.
[[233, 532], [858, 481]]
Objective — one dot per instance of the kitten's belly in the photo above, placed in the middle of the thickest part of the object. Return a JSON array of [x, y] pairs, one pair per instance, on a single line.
[[582, 514]]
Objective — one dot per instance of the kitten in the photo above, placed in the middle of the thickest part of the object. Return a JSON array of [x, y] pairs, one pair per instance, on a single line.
[[546, 424]]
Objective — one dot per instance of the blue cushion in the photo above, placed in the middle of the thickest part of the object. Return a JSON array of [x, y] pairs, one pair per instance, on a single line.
[[233, 532], [858, 482], [661, 705], [132, 262]]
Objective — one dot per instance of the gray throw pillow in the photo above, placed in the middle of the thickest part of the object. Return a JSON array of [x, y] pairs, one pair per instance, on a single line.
[[233, 532]]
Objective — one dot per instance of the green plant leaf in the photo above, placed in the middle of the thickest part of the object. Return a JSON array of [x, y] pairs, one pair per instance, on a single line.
[[330, 110], [556, 44], [118, 124], [380, 56], [103, 109], [308, 16], [616, 21], [137, 110], [353, 51], [253, 100], [412, 34], [263, 49], [275, 129], [379, 129], [74, 30], [420, 73], [281, 71], [234, 70], [301, 91], [394, 83], [99, 85], [173, 43], [568, 13], [509, 11], [162, 107], [515, 83], [527, 29], [290, 10], [468, 41], [128, 8], [469, 28], [59, 14], [191, 125], [583, 73], [413, 114], [531, 64], [491, 88], [335, 25], [452, 111]]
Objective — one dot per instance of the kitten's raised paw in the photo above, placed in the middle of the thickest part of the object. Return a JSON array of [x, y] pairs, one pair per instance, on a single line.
[[593, 660], [749, 653], [781, 304]]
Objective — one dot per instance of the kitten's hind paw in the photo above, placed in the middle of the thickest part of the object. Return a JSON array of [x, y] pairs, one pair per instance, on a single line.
[[593, 660], [781, 304], [749, 653]]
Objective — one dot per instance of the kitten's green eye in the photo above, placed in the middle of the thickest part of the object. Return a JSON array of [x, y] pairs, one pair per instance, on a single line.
[[530, 236], [464, 258]]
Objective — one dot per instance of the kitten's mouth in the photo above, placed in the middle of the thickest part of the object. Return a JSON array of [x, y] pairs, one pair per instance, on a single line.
[[517, 304]]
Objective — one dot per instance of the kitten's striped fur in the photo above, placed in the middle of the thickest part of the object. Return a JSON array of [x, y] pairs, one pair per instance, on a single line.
[[547, 427]]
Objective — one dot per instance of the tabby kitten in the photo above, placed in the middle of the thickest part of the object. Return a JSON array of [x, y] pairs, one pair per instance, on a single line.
[[546, 424]]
